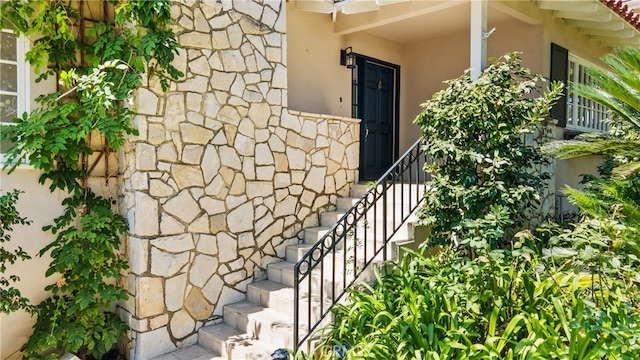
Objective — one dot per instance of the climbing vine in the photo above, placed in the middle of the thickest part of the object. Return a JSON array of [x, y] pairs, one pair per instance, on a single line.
[[10, 297], [99, 52]]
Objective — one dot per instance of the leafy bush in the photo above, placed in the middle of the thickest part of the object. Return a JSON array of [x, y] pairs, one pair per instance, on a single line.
[[518, 305], [75, 319], [480, 137]]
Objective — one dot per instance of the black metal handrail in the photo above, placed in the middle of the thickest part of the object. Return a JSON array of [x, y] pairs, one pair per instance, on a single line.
[[355, 241]]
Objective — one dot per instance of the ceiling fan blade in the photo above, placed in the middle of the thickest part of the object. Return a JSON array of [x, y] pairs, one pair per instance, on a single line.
[[359, 6], [317, 6]]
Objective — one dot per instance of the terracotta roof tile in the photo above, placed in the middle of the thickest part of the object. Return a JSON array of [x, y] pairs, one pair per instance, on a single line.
[[623, 10]]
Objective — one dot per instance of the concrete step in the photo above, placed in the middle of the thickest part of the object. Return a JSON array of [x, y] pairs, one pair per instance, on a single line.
[[268, 325], [234, 344], [362, 236], [193, 352], [314, 234], [330, 218], [345, 203], [272, 295], [358, 190], [332, 278], [279, 297], [398, 200], [297, 251]]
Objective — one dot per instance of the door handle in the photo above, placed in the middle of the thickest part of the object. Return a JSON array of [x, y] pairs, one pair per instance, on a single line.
[[366, 132]]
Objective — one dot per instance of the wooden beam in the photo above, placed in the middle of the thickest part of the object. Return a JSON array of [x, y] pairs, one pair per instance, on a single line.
[[618, 41], [578, 6], [612, 25], [597, 16], [629, 33]]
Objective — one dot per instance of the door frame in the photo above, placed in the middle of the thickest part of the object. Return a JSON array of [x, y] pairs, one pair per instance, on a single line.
[[357, 101]]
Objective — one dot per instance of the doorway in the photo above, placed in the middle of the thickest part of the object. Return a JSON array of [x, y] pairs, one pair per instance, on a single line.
[[376, 90]]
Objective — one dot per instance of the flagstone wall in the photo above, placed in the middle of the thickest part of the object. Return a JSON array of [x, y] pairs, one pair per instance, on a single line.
[[222, 175]]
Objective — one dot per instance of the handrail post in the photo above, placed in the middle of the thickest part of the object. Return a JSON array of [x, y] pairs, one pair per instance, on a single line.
[[296, 300], [384, 220]]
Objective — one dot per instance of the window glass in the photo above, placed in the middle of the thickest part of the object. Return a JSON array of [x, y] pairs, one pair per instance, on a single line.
[[8, 48], [8, 78], [8, 107], [12, 80]]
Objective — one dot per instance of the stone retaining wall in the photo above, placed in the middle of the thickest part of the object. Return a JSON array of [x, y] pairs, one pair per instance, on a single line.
[[222, 175], [546, 210]]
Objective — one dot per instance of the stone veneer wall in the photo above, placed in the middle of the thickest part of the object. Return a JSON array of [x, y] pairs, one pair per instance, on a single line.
[[547, 207], [222, 175]]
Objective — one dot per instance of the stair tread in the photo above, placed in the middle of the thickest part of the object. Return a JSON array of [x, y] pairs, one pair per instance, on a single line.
[[328, 271], [284, 292], [265, 315], [271, 286], [239, 341], [318, 228], [192, 352], [360, 249], [300, 246], [282, 265]]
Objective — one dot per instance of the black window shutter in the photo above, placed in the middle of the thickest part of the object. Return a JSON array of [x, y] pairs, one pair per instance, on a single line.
[[560, 72]]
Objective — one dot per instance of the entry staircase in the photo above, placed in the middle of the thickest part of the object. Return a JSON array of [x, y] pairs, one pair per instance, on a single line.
[[289, 308]]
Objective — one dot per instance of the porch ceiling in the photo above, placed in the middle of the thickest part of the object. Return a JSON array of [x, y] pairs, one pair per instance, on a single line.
[[414, 21], [612, 22], [434, 24]]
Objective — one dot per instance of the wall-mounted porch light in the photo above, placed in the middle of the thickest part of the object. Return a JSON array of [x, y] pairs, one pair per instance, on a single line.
[[348, 58]]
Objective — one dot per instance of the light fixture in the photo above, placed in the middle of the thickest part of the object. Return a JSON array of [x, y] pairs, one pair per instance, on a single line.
[[348, 58]]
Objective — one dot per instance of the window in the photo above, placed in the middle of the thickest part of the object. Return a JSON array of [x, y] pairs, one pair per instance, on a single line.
[[13, 79], [583, 114], [572, 111]]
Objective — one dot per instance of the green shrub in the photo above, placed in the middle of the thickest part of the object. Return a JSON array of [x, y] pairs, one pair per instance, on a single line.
[[482, 136], [452, 307]]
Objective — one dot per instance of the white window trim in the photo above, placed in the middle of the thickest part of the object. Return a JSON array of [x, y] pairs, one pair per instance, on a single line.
[[583, 118], [24, 84]]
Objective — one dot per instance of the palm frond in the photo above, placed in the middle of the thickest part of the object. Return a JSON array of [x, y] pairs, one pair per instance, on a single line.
[[626, 170], [575, 148]]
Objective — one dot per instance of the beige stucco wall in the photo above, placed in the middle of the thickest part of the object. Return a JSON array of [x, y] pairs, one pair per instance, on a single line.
[[40, 206], [317, 81], [435, 60]]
